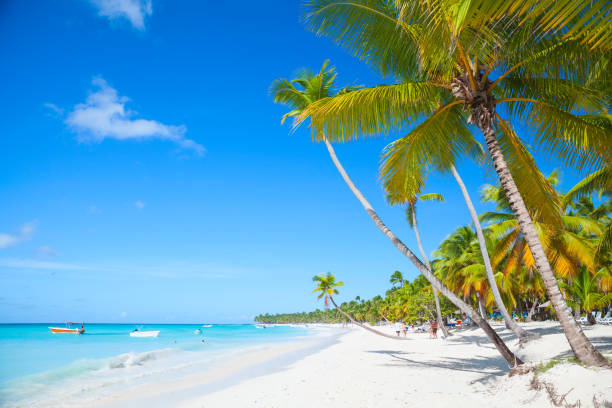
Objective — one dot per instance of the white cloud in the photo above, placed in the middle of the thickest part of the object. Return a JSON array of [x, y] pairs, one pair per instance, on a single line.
[[25, 233], [56, 109], [139, 204], [104, 115], [134, 10]]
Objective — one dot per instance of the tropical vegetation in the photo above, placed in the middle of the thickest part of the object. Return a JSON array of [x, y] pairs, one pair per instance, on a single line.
[[463, 72]]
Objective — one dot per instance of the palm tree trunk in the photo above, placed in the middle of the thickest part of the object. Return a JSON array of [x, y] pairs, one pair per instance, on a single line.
[[348, 316], [532, 311], [481, 306], [583, 349], [492, 334], [428, 264], [522, 334], [384, 317]]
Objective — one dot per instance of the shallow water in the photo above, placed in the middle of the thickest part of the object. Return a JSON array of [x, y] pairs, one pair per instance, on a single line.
[[40, 369]]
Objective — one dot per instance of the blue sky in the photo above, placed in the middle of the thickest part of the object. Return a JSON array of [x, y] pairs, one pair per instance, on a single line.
[[145, 176]]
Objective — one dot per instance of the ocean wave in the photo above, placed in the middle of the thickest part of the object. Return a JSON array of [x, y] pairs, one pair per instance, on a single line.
[[138, 359], [87, 374]]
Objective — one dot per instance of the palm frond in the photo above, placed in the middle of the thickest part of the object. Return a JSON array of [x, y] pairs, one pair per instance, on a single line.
[[581, 141], [373, 111], [539, 195], [565, 94], [370, 30], [587, 20], [600, 180], [435, 144], [431, 197]]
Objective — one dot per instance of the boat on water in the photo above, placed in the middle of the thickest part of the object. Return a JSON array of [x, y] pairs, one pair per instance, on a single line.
[[260, 326], [207, 325], [69, 328], [197, 331], [138, 333]]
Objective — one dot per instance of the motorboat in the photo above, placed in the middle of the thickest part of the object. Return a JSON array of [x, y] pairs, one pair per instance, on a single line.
[[197, 331], [260, 326], [207, 325], [138, 333], [69, 328]]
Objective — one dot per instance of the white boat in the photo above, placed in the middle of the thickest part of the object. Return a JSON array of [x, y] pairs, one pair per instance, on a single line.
[[197, 331], [152, 333], [260, 326], [207, 325]]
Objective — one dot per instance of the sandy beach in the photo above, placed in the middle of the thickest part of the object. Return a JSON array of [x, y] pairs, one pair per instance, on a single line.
[[354, 368]]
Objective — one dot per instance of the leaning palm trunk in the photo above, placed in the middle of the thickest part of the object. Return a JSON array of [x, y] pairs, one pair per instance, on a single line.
[[522, 334], [584, 351], [348, 316], [492, 334], [428, 264], [532, 311], [481, 306]]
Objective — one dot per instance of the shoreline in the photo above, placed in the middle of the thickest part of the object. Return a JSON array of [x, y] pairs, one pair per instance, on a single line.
[[365, 370], [350, 367], [222, 374]]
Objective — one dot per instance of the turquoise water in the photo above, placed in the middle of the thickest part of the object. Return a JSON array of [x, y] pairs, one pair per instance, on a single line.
[[39, 368]]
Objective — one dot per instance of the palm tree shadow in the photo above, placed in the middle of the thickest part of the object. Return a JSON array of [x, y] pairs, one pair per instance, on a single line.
[[489, 367], [467, 338]]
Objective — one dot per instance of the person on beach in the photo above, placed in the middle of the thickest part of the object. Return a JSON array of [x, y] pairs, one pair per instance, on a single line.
[[398, 327], [433, 329]]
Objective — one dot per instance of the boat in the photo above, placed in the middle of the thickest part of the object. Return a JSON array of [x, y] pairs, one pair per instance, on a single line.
[[207, 325], [260, 326], [69, 328], [197, 331], [138, 333]]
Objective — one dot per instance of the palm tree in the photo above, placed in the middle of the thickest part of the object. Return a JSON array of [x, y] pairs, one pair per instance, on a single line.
[[326, 285], [445, 55], [321, 86], [599, 181], [460, 266], [396, 197], [522, 334], [569, 247], [586, 293], [397, 279]]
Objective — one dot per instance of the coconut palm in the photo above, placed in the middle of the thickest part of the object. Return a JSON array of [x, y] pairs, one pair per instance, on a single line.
[[459, 265], [395, 197], [482, 63], [523, 335], [318, 87], [326, 285], [586, 293], [599, 181], [568, 248], [397, 279]]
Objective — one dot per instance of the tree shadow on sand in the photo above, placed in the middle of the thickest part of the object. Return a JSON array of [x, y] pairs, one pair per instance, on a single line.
[[488, 366], [602, 343]]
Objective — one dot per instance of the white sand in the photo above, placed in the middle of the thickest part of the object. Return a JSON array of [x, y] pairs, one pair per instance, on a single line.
[[362, 370], [365, 370]]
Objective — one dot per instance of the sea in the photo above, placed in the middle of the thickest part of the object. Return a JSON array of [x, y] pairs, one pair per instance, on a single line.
[[41, 369]]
